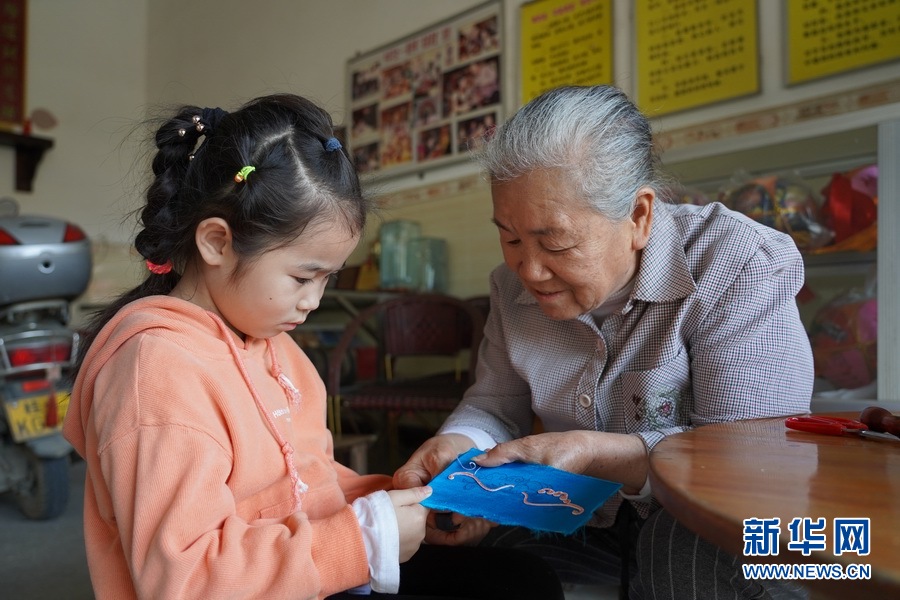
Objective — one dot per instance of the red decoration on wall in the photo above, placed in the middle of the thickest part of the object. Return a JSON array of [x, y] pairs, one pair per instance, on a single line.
[[12, 62]]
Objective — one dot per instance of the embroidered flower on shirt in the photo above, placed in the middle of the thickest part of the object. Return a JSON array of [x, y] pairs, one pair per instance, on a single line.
[[658, 411], [666, 408]]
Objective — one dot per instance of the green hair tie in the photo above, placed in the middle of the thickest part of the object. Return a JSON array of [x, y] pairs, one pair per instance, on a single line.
[[242, 174]]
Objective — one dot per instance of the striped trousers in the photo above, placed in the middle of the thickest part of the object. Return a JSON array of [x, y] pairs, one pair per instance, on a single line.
[[665, 560]]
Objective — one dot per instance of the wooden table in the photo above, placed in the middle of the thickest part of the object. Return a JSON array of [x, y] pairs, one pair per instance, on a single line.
[[714, 477]]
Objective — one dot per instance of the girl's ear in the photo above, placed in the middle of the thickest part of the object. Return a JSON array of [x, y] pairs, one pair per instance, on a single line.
[[213, 239]]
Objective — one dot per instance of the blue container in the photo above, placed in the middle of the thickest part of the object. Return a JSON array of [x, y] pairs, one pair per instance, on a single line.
[[397, 270], [430, 263]]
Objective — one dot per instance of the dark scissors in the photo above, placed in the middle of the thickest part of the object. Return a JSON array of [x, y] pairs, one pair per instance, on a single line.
[[835, 426]]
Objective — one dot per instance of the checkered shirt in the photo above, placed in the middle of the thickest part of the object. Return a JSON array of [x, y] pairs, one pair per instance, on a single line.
[[710, 333]]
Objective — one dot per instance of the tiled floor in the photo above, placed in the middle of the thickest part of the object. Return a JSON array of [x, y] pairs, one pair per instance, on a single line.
[[44, 560]]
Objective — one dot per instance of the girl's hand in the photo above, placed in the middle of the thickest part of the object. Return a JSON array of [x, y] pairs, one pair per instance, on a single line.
[[410, 518], [430, 459]]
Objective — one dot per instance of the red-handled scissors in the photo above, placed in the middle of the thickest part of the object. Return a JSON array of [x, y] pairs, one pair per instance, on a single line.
[[834, 426], [826, 425]]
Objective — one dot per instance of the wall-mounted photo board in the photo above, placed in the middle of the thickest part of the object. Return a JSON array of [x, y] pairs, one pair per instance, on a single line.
[[690, 54], [427, 99], [565, 42], [12, 63], [826, 38]]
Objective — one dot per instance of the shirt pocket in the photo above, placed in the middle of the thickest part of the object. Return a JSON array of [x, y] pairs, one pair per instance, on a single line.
[[273, 502], [659, 398]]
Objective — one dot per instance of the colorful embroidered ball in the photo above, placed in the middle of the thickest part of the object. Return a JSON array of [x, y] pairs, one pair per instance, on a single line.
[[843, 338], [783, 204]]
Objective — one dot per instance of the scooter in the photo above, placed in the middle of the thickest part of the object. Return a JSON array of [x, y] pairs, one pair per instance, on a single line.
[[44, 264]]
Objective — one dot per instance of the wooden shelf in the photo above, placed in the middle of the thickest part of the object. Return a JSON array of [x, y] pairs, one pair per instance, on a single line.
[[29, 152], [814, 149], [832, 259], [839, 264]]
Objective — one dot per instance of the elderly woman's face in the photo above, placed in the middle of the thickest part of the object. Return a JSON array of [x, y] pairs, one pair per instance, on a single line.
[[569, 257]]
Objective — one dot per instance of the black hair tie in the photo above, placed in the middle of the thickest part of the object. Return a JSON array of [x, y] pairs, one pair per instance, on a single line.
[[211, 117]]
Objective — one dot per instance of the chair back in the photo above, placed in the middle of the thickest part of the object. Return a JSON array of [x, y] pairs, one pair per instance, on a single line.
[[416, 326], [413, 325], [483, 305]]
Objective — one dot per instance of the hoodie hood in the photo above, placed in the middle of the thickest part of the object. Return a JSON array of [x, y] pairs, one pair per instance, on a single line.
[[166, 316]]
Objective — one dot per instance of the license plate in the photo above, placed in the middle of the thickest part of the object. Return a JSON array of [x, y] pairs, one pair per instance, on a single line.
[[27, 417]]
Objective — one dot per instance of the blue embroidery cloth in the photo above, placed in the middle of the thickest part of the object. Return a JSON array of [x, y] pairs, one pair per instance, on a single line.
[[538, 497]]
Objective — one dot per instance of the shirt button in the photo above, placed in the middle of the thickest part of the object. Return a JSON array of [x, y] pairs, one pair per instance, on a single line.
[[584, 400]]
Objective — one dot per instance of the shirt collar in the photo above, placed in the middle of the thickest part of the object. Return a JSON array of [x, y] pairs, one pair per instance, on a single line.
[[664, 274]]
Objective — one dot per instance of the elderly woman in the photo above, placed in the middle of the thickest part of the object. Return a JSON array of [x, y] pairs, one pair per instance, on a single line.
[[618, 319]]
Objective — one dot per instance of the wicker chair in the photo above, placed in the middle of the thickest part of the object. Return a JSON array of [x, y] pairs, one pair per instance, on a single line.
[[409, 331]]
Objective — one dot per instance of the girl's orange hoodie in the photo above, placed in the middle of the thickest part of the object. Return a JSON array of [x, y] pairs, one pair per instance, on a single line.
[[188, 493]]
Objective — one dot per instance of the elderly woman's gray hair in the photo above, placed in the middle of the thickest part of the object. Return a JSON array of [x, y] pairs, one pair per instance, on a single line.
[[595, 133]]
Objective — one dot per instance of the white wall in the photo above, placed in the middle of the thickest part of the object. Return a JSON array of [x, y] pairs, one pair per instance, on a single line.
[[86, 65], [99, 65], [103, 65], [223, 52]]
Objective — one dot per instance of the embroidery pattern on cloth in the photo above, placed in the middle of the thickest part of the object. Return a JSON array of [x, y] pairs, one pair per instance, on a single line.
[[520, 494]]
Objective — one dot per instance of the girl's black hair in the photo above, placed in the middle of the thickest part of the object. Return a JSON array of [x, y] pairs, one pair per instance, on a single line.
[[301, 177]]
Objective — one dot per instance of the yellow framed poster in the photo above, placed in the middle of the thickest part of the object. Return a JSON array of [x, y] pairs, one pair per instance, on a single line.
[[825, 38], [695, 52], [565, 42]]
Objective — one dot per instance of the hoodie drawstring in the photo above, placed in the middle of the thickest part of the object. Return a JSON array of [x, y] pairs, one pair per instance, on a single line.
[[292, 393], [298, 486]]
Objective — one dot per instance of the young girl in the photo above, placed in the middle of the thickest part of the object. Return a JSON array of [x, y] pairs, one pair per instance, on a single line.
[[210, 471]]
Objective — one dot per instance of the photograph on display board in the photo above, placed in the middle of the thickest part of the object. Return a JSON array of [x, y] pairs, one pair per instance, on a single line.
[[479, 38], [426, 73], [366, 158], [422, 99], [434, 143], [427, 111], [365, 121], [396, 135], [396, 81], [471, 87], [366, 82], [472, 132]]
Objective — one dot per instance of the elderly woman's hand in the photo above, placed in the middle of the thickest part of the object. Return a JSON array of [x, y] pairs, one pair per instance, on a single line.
[[611, 456], [430, 459], [465, 531]]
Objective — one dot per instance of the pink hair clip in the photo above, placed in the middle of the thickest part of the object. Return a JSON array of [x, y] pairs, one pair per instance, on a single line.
[[159, 269]]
